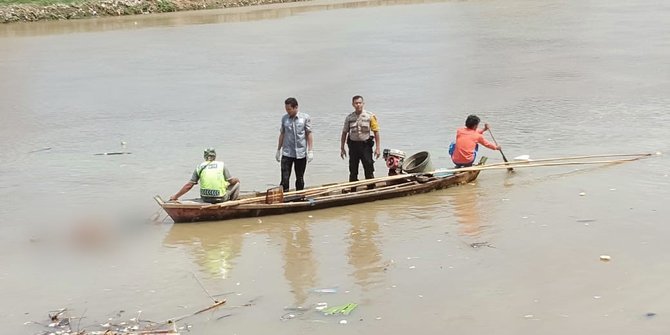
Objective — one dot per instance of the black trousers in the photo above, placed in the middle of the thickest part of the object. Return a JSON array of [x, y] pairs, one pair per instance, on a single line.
[[361, 151], [286, 165], [458, 166]]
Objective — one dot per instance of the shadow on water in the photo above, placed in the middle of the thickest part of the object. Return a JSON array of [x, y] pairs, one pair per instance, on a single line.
[[225, 15]]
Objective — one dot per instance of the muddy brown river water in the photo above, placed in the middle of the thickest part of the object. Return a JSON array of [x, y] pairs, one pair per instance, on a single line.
[[509, 254]]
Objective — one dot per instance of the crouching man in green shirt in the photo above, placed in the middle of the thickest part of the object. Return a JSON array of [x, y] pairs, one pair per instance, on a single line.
[[216, 183]]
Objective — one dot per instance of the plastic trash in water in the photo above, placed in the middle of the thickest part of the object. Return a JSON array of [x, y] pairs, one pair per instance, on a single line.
[[341, 309], [325, 290], [288, 316]]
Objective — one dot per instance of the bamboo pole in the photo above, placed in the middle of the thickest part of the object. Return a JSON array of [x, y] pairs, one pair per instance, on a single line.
[[339, 187], [302, 192], [546, 162], [488, 167], [557, 159], [353, 183], [378, 189], [584, 157], [331, 197]]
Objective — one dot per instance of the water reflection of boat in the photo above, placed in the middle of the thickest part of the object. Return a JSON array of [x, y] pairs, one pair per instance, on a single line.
[[216, 249], [466, 210], [364, 253], [325, 196], [214, 246]]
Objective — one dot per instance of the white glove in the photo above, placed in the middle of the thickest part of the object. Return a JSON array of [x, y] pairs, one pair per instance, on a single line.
[[310, 156], [278, 155]]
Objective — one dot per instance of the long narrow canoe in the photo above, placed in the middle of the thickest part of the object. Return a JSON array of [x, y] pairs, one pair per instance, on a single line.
[[325, 196]]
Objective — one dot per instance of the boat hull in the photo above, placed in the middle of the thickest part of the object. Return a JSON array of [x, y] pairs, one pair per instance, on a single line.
[[196, 212]]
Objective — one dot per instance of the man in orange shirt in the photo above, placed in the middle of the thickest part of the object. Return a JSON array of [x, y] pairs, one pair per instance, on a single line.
[[464, 151]]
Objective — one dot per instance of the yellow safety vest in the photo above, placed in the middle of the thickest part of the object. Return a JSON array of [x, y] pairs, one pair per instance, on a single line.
[[212, 182]]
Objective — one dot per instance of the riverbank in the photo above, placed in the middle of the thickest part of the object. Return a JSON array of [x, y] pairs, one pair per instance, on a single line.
[[103, 8]]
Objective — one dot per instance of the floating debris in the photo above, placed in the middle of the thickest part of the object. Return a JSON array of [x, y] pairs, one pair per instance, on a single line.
[[343, 322], [581, 194], [215, 305], [113, 153], [341, 309], [650, 315], [36, 239], [288, 316], [63, 324], [325, 290], [224, 316], [605, 258], [122, 152], [38, 150], [476, 245]]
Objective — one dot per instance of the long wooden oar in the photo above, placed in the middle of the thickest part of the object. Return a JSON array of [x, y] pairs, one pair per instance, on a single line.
[[501, 152]]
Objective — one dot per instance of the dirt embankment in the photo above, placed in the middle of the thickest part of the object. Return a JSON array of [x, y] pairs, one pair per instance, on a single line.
[[16, 13]]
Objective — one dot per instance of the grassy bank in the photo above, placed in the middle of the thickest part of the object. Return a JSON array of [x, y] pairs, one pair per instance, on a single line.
[[38, 10]]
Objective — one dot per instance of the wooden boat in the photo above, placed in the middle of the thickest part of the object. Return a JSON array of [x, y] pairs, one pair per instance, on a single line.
[[325, 196], [275, 202]]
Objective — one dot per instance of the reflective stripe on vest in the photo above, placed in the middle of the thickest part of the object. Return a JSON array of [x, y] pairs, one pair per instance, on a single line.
[[212, 182]]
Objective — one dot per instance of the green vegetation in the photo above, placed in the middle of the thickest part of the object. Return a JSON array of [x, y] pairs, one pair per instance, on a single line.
[[164, 6]]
